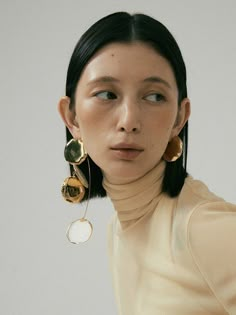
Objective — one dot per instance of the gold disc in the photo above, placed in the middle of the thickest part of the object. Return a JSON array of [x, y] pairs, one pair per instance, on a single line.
[[73, 190]]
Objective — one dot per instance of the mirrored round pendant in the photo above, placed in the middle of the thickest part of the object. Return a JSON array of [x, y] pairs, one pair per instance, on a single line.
[[79, 231]]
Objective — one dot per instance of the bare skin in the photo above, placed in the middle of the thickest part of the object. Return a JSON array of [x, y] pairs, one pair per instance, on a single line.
[[126, 110]]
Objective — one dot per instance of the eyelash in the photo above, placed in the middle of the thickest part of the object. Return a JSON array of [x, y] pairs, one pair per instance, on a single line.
[[160, 96], [113, 96], [108, 93]]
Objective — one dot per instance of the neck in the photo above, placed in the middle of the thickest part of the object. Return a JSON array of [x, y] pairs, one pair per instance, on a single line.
[[137, 198]]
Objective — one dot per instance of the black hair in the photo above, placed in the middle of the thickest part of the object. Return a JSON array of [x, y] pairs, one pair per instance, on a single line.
[[123, 27]]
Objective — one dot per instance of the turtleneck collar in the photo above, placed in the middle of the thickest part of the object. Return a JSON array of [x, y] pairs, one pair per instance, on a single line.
[[133, 200]]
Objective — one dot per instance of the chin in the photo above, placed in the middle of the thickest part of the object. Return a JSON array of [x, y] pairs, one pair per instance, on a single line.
[[124, 174]]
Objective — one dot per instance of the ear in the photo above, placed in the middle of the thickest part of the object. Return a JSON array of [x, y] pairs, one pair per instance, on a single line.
[[183, 114], [68, 116]]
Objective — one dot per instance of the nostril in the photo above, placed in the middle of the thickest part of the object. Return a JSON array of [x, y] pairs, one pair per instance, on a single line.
[[132, 130]]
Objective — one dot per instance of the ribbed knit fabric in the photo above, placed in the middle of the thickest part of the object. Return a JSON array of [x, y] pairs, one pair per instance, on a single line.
[[146, 194]]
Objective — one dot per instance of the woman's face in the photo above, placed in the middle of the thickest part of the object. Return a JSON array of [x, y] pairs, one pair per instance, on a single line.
[[126, 110]]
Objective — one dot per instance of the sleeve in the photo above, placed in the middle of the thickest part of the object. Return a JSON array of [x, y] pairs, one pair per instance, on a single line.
[[212, 243]]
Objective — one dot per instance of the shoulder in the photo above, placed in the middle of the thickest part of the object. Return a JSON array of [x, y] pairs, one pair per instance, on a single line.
[[212, 220], [209, 225], [193, 195], [212, 226], [212, 243]]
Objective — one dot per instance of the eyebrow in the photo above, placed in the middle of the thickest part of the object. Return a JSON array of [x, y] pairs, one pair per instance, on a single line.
[[109, 79], [103, 79], [155, 79]]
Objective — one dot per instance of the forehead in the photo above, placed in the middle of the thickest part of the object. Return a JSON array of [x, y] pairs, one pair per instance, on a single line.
[[135, 60]]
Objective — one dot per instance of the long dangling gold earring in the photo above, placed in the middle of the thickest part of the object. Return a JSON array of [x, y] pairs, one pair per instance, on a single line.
[[173, 150], [73, 190]]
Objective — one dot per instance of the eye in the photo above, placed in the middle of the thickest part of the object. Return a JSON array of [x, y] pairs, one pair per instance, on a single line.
[[106, 95], [155, 97]]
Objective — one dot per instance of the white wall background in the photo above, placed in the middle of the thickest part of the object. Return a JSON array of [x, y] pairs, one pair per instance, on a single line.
[[41, 272]]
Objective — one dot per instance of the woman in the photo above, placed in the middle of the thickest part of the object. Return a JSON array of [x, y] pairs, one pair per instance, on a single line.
[[172, 241]]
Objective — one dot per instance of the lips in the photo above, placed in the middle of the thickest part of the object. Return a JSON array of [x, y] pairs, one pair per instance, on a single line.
[[127, 146], [127, 151]]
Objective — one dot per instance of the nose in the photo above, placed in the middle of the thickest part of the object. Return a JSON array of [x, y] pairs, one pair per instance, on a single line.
[[129, 117]]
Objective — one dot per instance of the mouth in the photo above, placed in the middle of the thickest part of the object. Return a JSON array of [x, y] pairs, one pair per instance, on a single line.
[[127, 151], [127, 146]]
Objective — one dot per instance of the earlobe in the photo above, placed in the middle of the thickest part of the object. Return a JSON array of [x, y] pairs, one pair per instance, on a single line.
[[68, 116]]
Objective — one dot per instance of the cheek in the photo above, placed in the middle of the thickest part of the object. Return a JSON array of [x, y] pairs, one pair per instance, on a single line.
[[94, 128], [162, 125], [159, 132], [87, 118]]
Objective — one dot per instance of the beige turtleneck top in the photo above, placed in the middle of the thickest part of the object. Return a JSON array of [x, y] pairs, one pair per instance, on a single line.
[[172, 256]]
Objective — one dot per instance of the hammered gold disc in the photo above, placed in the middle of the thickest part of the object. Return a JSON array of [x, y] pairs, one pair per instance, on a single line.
[[72, 189], [74, 152], [79, 231], [173, 150]]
